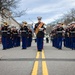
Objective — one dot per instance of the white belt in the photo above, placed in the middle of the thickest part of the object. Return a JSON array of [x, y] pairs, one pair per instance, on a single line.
[[23, 31], [73, 32], [15, 33], [59, 31], [4, 31], [8, 33]]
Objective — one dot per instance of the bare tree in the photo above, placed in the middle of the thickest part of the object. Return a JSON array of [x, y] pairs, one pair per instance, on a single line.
[[11, 5], [69, 17]]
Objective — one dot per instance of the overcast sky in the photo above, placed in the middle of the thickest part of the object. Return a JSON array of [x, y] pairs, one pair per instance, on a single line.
[[50, 10]]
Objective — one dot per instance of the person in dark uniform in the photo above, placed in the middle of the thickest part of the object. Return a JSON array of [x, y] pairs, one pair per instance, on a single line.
[[29, 37], [59, 34], [18, 38], [53, 37], [9, 42], [39, 31], [12, 28], [70, 36], [24, 35], [73, 35], [66, 40], [47, 38], [14, 35], [4, 30]]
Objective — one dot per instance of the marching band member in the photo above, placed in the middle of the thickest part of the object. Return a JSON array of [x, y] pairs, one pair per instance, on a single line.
[[39, 31], [24, 35], [4, 30]]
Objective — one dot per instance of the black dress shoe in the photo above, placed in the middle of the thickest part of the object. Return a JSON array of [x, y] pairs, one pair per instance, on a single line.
[[40, 50], [23, 48], [4, 49], [60, 48]]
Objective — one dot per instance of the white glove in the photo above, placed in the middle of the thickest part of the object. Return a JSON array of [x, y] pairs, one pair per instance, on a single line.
[[34, 35], [40, 29]]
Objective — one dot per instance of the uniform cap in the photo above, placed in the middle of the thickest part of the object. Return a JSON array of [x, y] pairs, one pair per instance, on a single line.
[[60, 23], [24, 22], [39, 18], [69, 24], [73, 22]]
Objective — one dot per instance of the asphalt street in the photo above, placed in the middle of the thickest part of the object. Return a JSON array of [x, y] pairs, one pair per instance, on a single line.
[[50, 61]]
